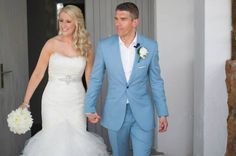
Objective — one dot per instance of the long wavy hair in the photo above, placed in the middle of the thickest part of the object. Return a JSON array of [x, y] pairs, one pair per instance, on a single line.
[[81, 41]]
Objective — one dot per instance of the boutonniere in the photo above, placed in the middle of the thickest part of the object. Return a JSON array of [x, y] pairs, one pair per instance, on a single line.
[[142, 52]]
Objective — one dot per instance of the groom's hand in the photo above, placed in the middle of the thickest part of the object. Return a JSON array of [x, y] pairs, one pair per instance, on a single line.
[[163, 124], [93, 117]]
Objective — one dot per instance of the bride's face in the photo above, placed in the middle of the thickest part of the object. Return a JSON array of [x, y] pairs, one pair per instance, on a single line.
[[66, 24]]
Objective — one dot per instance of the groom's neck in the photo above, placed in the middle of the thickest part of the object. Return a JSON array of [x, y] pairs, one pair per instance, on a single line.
[[128, 38]]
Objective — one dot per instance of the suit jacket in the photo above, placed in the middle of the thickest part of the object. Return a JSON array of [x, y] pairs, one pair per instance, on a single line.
[[145, 71]]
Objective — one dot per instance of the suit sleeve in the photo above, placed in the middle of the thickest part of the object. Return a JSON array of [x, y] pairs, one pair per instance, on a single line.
[[96, 80], [157, 84]]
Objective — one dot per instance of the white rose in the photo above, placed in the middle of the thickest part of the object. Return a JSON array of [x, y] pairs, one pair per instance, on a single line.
[[143, 52]]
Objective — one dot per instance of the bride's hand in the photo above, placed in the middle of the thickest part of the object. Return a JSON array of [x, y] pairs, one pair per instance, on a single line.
[[93, 117], [24, 105]]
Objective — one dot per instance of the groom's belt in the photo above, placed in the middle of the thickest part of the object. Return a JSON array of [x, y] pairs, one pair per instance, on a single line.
[[65, 78]]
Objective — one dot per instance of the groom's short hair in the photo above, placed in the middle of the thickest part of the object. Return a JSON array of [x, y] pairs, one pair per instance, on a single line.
[[130, 7]]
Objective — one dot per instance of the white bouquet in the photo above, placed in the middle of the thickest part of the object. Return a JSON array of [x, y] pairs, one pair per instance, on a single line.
[[19, 121]]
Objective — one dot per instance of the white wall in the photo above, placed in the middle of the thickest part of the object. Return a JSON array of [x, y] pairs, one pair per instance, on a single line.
[[194, 43], [175, 35], [217, 51], [212, 49]]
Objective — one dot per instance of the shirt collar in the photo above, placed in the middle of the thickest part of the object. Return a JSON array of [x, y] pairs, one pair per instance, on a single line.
[[133, 43]]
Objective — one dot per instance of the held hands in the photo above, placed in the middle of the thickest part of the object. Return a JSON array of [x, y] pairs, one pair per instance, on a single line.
[[93, 117], [163, 124]]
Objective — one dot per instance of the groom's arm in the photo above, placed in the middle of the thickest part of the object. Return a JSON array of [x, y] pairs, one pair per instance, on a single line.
[[96, 80], [157, 84]]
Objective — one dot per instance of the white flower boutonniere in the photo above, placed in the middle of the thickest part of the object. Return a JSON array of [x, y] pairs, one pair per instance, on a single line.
[[142, 52]]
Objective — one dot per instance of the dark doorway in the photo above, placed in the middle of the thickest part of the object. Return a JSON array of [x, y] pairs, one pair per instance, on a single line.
[[42, 25]]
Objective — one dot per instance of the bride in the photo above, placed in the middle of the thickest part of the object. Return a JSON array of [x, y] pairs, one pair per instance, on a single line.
[[67, 55]]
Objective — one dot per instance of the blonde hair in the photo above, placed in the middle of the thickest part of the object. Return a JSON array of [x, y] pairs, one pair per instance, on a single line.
[[81, 41]]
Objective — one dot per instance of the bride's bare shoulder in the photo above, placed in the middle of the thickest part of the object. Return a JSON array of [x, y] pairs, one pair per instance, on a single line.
[[53, 40], [52, 43]]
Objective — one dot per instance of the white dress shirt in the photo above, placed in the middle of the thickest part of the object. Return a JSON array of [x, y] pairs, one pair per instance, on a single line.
[[127, 56]]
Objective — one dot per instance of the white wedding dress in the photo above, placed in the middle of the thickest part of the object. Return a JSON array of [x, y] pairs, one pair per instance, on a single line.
[[63, 120]]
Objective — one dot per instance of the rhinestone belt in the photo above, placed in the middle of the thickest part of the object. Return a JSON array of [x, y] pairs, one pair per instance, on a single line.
[[67, 78]]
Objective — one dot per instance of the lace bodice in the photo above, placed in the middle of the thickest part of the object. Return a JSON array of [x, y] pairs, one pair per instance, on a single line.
[[66, 68]]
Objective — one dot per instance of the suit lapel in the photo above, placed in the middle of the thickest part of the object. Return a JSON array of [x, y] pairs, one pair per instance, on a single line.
[[118, 61], [135, 59]]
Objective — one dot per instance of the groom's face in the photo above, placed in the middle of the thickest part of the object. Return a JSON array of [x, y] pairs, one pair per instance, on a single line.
[[124, 23]]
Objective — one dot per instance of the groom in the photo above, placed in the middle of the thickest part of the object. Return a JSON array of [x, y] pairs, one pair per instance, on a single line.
[[131, 62]]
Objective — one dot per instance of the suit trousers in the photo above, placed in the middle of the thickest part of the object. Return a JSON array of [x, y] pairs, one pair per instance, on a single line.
[[141, 140]]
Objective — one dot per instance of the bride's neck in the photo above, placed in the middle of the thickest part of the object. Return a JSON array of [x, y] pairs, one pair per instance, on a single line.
[[67, 39]]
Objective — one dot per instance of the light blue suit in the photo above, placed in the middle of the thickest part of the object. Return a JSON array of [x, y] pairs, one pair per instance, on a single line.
[[119, 90]]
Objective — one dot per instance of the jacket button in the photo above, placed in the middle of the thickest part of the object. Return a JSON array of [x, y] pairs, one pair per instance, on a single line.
[[127, 87]]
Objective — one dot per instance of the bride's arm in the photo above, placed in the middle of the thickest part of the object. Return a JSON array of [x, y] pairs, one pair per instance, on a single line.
[[38, 73], [92, 117], [89, 66]]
